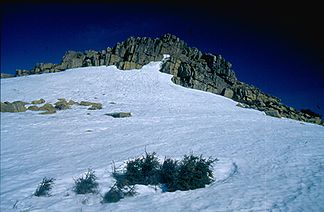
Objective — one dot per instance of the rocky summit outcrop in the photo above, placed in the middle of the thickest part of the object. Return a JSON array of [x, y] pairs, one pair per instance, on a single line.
[[189, 66]]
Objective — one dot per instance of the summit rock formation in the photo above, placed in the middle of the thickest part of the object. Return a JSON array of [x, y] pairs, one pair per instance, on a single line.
[[189, 66]]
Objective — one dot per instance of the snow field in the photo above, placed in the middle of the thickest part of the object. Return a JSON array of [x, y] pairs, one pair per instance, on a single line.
[[265, 163]]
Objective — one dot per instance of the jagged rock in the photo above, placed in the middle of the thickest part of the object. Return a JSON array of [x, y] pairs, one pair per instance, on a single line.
[[44, 68], [128, 65], [71, 102], [227, 92], [119, 114], [33, 108], [271, 112], [94, 105], [242, 105], [14, 107], [72, 59], [62, 104], [85, 103], [22, 72], [48, 108], [38, 101]]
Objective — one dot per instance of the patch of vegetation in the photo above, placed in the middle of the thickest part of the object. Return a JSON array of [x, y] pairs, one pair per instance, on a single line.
[[144, 170], [44, 187], [193, 172], [117, 193], [86, 184], [190, 173], [170, 174]]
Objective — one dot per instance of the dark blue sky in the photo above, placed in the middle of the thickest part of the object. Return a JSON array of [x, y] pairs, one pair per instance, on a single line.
[[277, 48]]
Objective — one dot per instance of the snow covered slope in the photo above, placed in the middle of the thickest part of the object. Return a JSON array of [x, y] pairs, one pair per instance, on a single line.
[[265, 163]]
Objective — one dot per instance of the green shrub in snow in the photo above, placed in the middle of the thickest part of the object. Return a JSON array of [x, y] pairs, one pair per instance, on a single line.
[[144, 170], [117, 193], [44, 187], [193, 172], [190, 173], [169, 174], [86, 184]]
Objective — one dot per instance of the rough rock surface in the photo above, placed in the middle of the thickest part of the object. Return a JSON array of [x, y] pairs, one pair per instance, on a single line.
[[13, 107], [119, 114], [48, 108], [38, 101], [189, 67]]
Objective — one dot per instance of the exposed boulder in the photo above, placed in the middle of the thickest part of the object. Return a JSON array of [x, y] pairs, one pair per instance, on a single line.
[[272, 112], [48, 108], [85, 103], [4, 75], [62, 104], [94, 105], [119, 114], [33, 108], [38, 101], [227, 92], [14, 107]]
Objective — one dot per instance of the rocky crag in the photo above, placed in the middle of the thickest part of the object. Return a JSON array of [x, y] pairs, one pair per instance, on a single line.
[[189, 66]]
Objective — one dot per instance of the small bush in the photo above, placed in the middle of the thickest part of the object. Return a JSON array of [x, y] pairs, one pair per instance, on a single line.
[[190, 173], [117, 193], [144, 170], [113, 195], [194, 172], [44, 187], [86, 184], [170, 173]]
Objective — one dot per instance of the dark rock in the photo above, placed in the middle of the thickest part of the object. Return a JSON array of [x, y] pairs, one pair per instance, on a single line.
[[119, 114], [62, 104]]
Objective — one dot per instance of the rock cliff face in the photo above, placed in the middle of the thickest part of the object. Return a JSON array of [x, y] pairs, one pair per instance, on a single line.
[[189, 67]]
